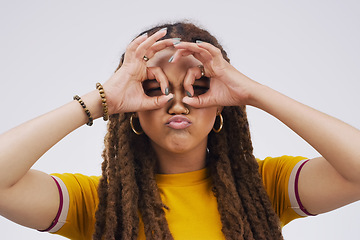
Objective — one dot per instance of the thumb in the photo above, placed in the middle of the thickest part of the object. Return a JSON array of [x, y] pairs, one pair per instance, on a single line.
[[199, 101], [156, 102]]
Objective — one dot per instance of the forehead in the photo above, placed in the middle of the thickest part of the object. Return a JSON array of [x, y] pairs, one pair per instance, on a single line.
[[175, 70]]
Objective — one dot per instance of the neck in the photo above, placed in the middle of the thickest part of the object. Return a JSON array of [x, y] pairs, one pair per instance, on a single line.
[[189, 161]]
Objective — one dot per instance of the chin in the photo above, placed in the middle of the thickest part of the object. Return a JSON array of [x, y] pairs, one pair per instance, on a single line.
[[179, 143], [178, 148]]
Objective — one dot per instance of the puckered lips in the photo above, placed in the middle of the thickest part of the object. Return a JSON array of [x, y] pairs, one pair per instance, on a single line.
[[178, 122]]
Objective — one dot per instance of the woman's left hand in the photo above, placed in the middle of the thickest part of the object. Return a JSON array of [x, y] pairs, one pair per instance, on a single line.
[[228, 86]]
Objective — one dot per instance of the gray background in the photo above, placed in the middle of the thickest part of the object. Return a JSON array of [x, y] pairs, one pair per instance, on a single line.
[[309, 50]]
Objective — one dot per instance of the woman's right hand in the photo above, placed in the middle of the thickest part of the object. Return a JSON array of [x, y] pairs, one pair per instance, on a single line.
[[124, 90]]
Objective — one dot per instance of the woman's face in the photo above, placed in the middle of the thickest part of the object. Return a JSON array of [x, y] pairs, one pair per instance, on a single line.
[[171, 128]]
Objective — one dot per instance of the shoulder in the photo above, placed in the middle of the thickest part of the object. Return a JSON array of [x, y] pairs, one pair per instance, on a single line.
[[284, 163], [276, 172], [78, 202], [280, 179], [77, 179]]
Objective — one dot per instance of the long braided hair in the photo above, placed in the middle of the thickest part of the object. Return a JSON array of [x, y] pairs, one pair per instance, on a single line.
[[128, 186]]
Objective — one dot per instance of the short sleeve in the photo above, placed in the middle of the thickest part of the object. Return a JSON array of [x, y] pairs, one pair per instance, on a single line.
[[279, 176], [79, 201]]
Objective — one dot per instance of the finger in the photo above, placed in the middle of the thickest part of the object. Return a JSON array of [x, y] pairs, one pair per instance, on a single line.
[[191, 74], [136, 42], [200, 53], [201, 101], [151, 103], [179, 54], [158, 74], [131, 48], [183, 53], [214, 51], [145, 45], [161, 45]]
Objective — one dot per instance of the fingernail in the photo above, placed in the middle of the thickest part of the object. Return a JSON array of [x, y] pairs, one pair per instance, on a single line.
[[170, 59], [163, 29], [188, 93], [176, 41], [199, 41], [166, 91], [170, 99], [144, 34]]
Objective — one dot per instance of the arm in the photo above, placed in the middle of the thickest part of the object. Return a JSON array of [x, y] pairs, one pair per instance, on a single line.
[[30, 197], [325, 183], [332, 180]]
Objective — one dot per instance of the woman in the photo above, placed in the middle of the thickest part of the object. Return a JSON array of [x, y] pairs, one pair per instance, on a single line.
[[178, 160]]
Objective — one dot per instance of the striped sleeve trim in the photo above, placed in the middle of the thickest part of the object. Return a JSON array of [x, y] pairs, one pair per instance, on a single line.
[[61, 216], [293, 190]]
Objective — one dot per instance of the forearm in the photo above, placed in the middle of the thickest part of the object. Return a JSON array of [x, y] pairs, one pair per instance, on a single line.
[[22, 146], [336, 141]]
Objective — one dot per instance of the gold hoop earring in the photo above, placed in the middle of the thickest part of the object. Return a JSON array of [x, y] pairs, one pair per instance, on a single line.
[[133, 128], [221, 124]]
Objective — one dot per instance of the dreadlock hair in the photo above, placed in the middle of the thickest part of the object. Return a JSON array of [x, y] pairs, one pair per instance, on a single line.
[[128, 187]]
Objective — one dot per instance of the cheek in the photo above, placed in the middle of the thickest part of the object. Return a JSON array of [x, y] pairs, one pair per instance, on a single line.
[[207, 118], [148, 122]]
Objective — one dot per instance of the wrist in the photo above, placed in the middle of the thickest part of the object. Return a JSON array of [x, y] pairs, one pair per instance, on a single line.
[[258, 95], [248, 91], [93, 103]]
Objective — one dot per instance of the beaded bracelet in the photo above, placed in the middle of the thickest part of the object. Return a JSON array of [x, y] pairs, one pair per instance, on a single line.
[[88, 114], [103, 101]]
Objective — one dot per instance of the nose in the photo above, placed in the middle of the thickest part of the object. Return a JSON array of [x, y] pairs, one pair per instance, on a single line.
[[176, 104]]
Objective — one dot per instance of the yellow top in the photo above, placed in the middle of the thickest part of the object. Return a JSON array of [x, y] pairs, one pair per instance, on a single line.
[[192, 206]]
